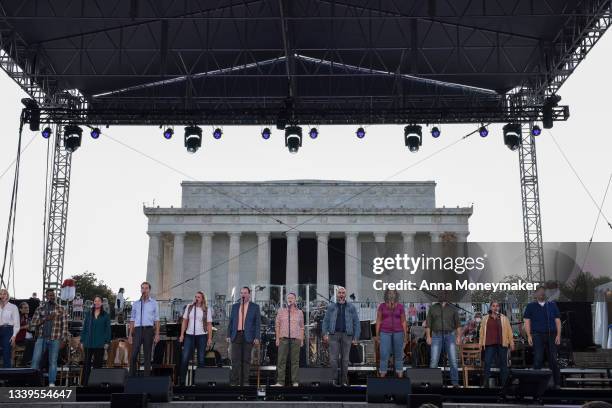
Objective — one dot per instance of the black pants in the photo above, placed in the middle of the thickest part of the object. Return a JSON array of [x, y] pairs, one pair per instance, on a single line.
[[241, 360], [143, 336], [98, 356], [544, 343]]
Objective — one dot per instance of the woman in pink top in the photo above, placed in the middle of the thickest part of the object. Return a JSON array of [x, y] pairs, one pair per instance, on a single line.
[[391, 329]]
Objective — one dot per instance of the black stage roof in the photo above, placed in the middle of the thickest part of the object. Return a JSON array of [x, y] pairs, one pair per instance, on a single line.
[[310, 61]]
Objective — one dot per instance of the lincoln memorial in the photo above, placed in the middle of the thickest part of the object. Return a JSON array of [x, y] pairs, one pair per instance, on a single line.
[[226, 235]]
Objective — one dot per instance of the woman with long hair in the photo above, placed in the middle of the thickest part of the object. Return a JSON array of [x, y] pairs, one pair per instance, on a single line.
[[95, 335], [196, 332], [391, 331]]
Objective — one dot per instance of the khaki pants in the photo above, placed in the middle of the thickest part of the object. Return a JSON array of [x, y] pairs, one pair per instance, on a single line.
[[283, 351]]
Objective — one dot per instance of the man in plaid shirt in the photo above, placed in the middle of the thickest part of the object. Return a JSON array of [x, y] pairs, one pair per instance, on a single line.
[[50, 323]]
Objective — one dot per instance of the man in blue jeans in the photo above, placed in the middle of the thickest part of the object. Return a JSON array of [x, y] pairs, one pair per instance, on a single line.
[[50, 323], [543, 329], [444, 332]]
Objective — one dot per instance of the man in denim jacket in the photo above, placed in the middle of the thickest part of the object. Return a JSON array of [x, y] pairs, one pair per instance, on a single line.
[[341, 328]]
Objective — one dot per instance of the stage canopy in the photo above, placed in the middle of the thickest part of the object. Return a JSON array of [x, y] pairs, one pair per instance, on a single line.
[[312, 61]]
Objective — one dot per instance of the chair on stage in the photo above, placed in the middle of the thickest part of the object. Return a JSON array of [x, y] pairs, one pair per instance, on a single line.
[[17, 354], [71, 369], [471, 360], [119, 354]]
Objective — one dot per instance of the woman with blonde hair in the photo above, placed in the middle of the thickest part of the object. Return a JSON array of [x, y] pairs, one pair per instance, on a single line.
[[391, 331], [9, 327], [196, 332]]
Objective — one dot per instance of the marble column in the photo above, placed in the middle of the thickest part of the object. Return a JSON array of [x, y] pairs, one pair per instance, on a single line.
[[233, 265], [408, 247], [263, 264], [322, 264], [154, 266], [291, 279], [352, 278], [177, 265], [206, 264]]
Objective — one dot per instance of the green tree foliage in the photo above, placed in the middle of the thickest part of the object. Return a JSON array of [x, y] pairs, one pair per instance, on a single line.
[[88, 286], [582, 287]]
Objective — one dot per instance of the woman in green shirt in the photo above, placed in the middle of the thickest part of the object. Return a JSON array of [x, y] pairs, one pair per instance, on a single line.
[[95, 335]]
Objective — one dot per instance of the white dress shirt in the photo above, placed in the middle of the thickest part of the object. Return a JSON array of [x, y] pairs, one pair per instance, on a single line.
[[9, 316]]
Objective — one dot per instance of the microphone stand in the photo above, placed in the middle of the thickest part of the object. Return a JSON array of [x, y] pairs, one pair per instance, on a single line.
[[242, 343]]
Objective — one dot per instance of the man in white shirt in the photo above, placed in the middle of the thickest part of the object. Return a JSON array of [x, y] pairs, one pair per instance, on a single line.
[[9, 327], [196, 332]]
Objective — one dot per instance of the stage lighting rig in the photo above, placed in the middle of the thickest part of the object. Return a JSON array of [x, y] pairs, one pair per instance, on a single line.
[[32, 114], [360, 133], [483, 131], [313, 133], [536, 131], [95, 133], [72, 137], [435, 132], [547, 110], [46, 132], [512, 136], [168, 133], [413, 137], [217, 133], [193, 138], [293, 138], [266, 133]]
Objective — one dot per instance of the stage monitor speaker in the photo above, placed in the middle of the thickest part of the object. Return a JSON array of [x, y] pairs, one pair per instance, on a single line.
[[211, 376], [316, 376], [425, 400], [107, 377], [20, 377], [123, 400], [527, 383], [159, 389], [388, 390], [425, 377]]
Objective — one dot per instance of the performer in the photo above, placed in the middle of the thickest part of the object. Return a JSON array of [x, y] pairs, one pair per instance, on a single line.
[[9, 327], [444, 331], [543, 329], [144, 328], [196, 332], [495, 339], [391, 330], [24, 336], [120, 302], [289, 328], [50, 322], [244, 331], [95, 336], [340, 328]]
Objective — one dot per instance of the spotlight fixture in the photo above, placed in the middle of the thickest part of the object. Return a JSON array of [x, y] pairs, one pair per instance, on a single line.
[[46, 132], [536, 131], [512, 135], [314, 133], [217, 133], [293, 138], [360, 132], [95, 133], [168, 133], [193, 138], [413, 137], [483, 131], [435, 131], [72, 137], [266, 133]]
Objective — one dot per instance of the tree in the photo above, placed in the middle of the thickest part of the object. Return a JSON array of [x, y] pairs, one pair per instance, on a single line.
[[88, 286], [582, 288]]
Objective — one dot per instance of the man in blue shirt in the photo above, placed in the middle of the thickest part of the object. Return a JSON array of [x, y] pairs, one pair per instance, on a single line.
[[543, 329], [143, 320]]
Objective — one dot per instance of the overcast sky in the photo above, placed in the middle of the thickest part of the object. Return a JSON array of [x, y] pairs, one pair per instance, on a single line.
[[110, 182]]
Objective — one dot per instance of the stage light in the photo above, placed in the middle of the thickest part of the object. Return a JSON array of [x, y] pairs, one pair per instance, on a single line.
[[46, 133], [217, 133], [33, 113], [547, 110], [168, 133], [512, 135], [313, 133], [266, 133], [72, 137], [435, 131], [193, 138], [360, 133], [536, 131], [413, 137], [293, 138], [95, 133], [483, 131]]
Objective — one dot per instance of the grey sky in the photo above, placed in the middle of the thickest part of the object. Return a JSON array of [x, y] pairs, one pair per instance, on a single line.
[[110, 183]]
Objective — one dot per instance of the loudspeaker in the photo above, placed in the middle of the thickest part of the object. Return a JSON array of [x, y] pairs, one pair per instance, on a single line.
[[387, 390], [357, 354], [424, 377], [316, 376], [20, 377], [577, 324], [107, 377], [527, 383], [211, 377], [419, 400], [366, 330], [159, 389], [122, 400]]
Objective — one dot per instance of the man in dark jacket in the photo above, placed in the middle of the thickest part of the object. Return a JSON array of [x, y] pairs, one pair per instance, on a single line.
[[244, 331]]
